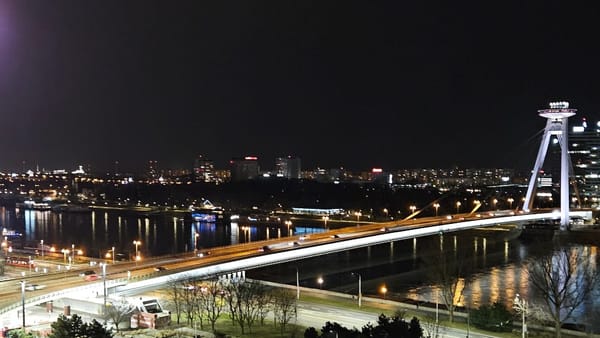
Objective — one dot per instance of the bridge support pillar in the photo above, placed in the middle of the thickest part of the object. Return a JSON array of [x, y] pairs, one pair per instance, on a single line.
[[557, 125]]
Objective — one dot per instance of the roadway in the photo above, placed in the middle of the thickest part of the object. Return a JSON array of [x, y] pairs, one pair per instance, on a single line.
[[224, 260]]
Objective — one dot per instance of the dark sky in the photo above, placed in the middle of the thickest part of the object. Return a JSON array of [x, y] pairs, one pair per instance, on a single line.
[[346, 83]]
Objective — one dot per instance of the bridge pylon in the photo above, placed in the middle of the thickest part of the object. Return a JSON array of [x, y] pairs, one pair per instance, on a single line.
[[556, 125]]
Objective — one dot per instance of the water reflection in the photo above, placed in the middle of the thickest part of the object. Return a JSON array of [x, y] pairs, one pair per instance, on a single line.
[[404, 266]]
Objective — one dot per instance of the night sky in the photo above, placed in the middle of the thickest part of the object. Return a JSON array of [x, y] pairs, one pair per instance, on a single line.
[[336, 83]]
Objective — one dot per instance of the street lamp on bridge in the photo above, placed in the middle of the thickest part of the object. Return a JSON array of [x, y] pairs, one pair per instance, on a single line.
[[137, 253], [436, 206], [325, 219], [458, 204], [510, 201]]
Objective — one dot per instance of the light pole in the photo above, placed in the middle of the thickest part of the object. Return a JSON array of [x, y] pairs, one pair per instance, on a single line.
[[104, 286], [196, 235], [320, 281], [113, 252], [137, 254], [288, 223], [65, 253], [383, 290], [412, 209], [510, 201], [73, 253], [325, 219], [520, 305], [458, 204], [297, 284], [494, 202], [359, 288], [42, 242], [357, 214], [436, 206], [23, 302]]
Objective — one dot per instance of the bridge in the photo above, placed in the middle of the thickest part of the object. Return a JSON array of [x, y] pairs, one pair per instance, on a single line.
[[239, 258], [234, 260]]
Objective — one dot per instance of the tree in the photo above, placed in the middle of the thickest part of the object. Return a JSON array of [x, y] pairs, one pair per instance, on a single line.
[[74, 327], [246, 300], [449, 270], [176, 295], [284, 307], [119, 311], [211, 301], [493, 318], [190, 301], [394, 326], [20, 334], [564, 281]]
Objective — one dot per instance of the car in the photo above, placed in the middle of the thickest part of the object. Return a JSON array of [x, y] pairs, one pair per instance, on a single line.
[[265, 248], [89, 275], [33, 287], [203, 253], [160, 268]]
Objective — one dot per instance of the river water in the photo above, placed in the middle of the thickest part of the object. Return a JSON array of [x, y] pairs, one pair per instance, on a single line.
[[497, 257]]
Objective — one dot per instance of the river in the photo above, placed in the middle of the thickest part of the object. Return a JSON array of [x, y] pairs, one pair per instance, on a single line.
[[497, 257]]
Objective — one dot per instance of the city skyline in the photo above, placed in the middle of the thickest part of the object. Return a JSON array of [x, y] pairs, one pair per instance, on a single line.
[[338, 84]]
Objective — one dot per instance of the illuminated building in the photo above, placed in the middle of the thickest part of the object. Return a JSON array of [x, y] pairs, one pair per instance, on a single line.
[[584, 149], [287, 167], [244, 168], [203, 170]]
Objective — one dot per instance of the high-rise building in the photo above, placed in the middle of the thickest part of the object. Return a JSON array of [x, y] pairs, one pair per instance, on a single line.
[[152, 173], [584, 149], [244, 168], [288, 167], [203, 170]]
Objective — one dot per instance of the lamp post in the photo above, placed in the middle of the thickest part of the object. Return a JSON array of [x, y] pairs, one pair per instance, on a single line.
[[520, 305], [196, 235], [288, 223], [113, 255], [297, 284], [325, 219], [494, 202], [383, 290], [458, 204], [23, 302], [359, 288], [104, 285], [436, 206], [412, 209], [137, 254], [65, 253], [357, 214], [73, 253], [320, 281], [510, 201], [42, 242]]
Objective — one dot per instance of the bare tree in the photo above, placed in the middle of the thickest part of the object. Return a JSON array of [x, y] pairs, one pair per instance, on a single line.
[[284, 307], [211, 301], [564, 281], [431, 326], [449, 270], [245, 299], [175, 292], [118, 311], [190, 300]]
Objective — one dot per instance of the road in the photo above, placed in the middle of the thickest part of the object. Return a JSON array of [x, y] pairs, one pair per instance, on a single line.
[[56, 280]]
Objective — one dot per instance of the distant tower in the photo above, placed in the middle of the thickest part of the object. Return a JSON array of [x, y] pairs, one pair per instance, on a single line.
[[557, 124]]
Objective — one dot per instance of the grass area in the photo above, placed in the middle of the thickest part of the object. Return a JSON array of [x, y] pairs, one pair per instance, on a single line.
[[266, 330]]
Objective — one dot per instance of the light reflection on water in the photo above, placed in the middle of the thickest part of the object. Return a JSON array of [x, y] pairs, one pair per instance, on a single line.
[[401, 266]]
